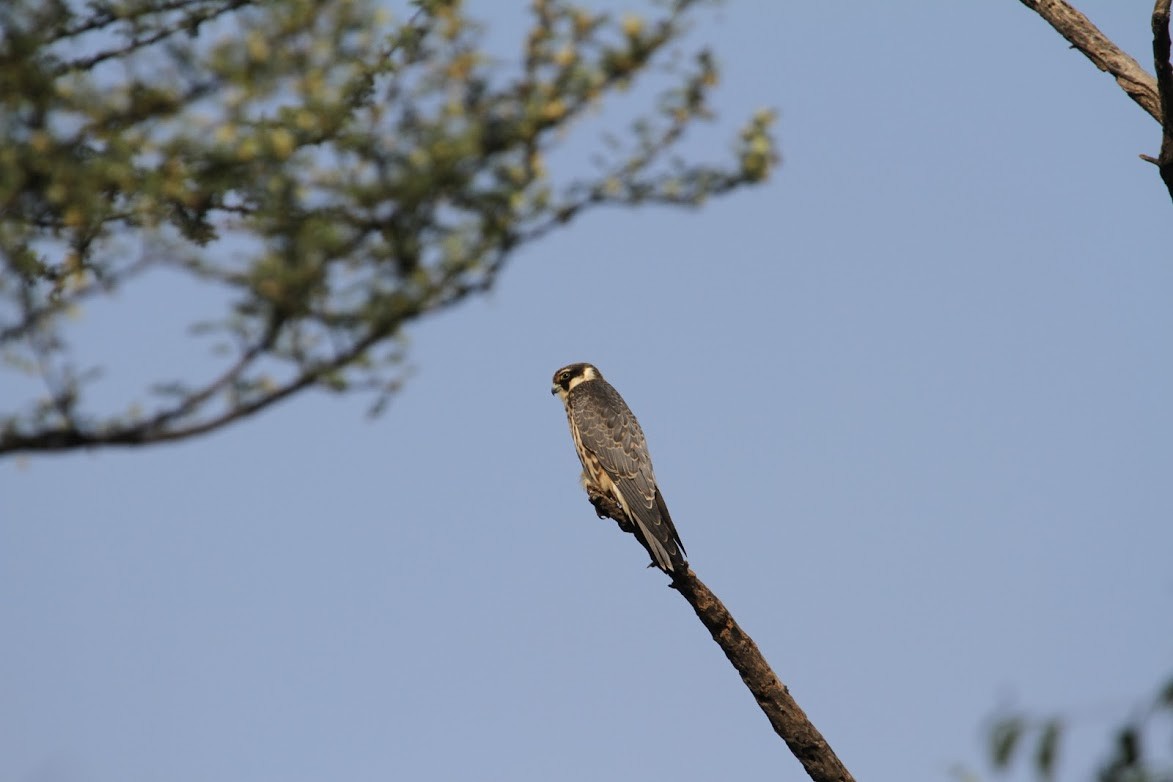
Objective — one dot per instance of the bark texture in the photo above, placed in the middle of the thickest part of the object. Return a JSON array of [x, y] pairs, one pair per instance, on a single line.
[[1154, 95], [1161, 46]]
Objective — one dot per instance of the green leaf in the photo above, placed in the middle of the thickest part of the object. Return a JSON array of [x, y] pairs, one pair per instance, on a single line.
[[1166, 696], [1047, 749], [1005, 737]]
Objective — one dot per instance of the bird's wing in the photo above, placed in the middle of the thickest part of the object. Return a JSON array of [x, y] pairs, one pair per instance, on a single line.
[[611, 432]]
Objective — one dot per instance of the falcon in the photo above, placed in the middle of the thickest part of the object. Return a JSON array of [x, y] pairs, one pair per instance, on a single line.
[[615, 460]]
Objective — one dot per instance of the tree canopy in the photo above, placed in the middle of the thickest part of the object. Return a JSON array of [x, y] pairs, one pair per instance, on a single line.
[[330, 172]]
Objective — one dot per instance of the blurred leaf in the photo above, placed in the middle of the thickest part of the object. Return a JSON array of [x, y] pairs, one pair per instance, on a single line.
[[1004, 740], [328, 174], [1129, 745], [1166, 696], [1124, 764], [1047, 749]]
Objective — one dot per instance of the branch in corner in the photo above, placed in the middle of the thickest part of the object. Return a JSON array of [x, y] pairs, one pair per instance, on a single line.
[[1155, 96], [1105, 55]]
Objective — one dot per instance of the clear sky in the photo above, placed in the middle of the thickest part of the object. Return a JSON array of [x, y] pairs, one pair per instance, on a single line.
[[909, 404]]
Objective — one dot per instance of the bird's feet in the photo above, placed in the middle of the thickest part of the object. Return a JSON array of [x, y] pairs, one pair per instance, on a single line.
[[607, 508]]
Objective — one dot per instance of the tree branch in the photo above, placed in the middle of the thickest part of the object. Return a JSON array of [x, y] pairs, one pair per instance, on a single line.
[[787, 718], [400, 174], [1104, 54], [70, 436], [188, 24], [1161, 47], [1164, 69], [1153, 95]]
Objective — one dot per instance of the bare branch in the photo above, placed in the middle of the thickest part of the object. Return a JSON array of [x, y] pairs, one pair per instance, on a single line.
[[1104, 54], [1164, 69], [787, 718], [1153, 95], [1161, 47]]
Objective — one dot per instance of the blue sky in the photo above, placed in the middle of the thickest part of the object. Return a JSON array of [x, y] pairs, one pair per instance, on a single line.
[[908, 403]]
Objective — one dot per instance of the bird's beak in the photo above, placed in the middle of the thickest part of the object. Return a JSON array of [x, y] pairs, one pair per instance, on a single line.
[[553, 390]]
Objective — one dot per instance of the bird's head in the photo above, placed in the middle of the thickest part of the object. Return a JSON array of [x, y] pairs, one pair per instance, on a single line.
[[570, 376]]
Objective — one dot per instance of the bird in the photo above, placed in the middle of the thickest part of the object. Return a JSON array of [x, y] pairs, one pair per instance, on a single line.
[[616, 462]]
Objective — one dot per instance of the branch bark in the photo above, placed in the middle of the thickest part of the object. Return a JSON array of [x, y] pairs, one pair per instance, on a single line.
[[1161, 47], [1105, 55], [1154, 95], [787, 718]]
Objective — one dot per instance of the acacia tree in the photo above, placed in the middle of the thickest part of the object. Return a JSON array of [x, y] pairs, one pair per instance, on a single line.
[[331, 174], [335, 177]]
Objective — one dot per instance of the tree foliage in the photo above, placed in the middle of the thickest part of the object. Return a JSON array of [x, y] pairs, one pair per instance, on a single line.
[[331, 173], [1130, 757]]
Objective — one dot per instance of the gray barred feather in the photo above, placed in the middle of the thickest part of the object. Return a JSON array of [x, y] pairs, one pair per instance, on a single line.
[[610, 432]]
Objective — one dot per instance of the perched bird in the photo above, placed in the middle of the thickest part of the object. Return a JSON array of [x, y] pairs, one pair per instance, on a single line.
[[615, 460]]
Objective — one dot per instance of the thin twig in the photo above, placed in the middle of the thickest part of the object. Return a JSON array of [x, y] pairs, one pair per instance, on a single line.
[[188, 24], [155, 431], [104, 17]]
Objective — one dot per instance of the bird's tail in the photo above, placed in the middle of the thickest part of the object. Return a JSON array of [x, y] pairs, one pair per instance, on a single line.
[[663, 541]]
